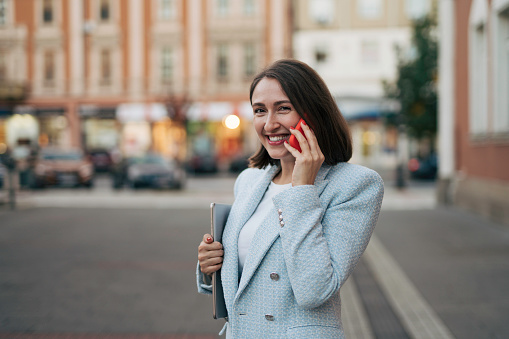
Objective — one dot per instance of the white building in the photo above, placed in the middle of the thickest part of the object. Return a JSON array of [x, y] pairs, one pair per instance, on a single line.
[[352, 44]]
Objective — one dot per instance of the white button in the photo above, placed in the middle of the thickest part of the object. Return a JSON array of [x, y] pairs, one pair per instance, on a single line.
[[269, 317], [280, 211], [282, 223], [280, 217]]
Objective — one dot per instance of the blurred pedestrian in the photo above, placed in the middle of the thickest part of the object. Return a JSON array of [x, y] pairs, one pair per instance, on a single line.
[[300, 220]]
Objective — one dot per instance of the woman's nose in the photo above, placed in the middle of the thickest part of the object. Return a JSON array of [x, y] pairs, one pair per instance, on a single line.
[[271, 123]]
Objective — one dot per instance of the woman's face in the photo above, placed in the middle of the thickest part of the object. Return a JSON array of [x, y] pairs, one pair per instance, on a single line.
[[274, 114]]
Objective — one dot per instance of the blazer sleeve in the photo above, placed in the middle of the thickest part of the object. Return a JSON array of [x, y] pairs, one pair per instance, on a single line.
[[203, 282], [322, 245]]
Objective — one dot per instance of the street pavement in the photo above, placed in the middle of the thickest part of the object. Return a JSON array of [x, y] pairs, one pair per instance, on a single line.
[[100, 263]]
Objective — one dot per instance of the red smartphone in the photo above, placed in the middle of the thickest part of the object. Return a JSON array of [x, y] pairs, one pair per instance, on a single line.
[[293, 140]]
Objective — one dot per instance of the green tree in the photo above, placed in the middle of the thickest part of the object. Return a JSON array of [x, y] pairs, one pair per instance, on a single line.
[[416, 83]]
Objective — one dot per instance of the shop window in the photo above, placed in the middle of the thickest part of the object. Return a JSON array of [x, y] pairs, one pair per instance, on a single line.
[[370, 9], [49, 68], [222, 7], [105, 67], [478, 68], [167, 65], [249, 60], [222, 62], [321, 54], [47, 11], [501, 67], [3, 12], [104, 10], [249, 7], [167, 9]]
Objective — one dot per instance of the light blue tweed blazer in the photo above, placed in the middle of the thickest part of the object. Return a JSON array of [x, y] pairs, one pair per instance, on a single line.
[[326, 228]]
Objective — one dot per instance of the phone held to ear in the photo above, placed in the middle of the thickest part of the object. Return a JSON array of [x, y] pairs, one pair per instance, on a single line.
[[293, 140]]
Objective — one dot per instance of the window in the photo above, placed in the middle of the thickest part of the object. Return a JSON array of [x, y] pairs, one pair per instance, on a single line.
[[321, 54], [105, 10], [369, 52], [167, 65], [416, 9], [321, 11], [47, 11], [501, 67], [167, 9], [222, 61], [49, 68], [105, 67], [249, 7], [370, 9], [3, 66], [478, 68], [3, 12], [222, 7], [249, 60]]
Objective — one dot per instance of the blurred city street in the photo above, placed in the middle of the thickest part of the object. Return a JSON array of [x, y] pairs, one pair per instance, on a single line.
[[104, 263]]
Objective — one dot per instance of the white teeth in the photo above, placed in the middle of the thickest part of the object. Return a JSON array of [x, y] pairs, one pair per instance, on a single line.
[[277, 138]]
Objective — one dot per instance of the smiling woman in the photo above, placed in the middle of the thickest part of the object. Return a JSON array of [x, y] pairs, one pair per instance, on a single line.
[[300, 220]]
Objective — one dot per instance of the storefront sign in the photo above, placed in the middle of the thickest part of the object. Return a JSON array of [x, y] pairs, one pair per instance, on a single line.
[[137, 112]]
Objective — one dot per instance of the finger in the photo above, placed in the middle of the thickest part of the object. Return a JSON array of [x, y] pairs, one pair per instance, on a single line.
[[290, 149], [204, 247], [310, 136], [301, 139], [211, 269], [207, 238]]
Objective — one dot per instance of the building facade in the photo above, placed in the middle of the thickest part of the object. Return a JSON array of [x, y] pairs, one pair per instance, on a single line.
[[129, 74], [352, 44], [474, 106]]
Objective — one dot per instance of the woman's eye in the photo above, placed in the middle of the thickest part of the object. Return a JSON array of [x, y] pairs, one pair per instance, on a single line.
[[258, 111], [285, 108]]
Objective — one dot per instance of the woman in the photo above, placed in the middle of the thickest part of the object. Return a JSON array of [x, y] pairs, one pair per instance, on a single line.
[[300, 220]]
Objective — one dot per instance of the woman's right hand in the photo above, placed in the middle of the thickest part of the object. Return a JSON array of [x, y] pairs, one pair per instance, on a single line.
[[210, 255]]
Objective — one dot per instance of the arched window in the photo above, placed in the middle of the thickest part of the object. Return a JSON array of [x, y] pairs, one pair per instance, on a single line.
[[478, 67]]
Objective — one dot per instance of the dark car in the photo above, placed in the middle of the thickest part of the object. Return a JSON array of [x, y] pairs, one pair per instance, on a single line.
[[423, 168], [154, 171], [101, 159], [202, 163], [62, 168]]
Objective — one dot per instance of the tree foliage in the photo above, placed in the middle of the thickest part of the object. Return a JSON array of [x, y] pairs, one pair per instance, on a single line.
[[416, 83]]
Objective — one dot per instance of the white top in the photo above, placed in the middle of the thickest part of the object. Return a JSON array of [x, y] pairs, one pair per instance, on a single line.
[[248, 231]]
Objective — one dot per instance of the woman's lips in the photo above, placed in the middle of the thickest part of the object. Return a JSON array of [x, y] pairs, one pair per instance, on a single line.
[[276, 140]]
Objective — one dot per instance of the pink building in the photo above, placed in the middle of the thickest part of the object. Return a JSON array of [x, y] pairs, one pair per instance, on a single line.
[[474, 106]]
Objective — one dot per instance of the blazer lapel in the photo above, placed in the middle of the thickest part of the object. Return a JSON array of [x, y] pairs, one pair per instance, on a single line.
[[267, 234], [242, 210]]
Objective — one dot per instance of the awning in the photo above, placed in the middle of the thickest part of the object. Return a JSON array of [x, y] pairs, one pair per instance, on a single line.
[[137, 112], [358, 108]]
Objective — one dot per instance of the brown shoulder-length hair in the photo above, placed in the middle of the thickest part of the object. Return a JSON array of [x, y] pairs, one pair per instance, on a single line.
[[314, 103]]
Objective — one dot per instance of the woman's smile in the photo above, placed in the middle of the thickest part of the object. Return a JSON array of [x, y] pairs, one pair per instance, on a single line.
[[278, 139]]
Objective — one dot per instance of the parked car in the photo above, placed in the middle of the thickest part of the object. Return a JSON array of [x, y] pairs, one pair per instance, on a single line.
[[423, 168], [59, 167], [239, 164], [3, 175], [202, 163], [101, 159], [152, 170]]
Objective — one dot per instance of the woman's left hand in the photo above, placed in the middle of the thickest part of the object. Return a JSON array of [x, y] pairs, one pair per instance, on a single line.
[[307, 162]]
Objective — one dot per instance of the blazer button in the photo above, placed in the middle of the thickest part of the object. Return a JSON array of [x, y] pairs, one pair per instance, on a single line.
[[269, 317], [274, 276]]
